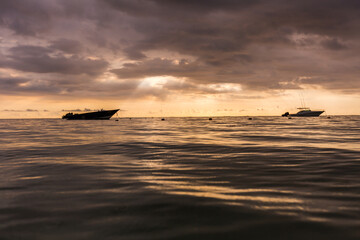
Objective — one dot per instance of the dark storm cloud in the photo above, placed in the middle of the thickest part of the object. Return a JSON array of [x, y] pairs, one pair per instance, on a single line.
[[226, 25], [169, 7], [333, 44], [26, 86], [224, 36], [67, 45], [25, 17], [259, 44], [37, 59], [11, 81], [134, 54]]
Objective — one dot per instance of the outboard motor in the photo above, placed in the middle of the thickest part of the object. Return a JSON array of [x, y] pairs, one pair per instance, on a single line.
[[285, 114], [67, 115]]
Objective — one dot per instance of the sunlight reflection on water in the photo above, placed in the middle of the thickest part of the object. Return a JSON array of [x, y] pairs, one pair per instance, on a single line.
[[180, 174]]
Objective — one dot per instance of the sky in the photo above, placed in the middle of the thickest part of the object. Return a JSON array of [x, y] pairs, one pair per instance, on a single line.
[[153, 58]]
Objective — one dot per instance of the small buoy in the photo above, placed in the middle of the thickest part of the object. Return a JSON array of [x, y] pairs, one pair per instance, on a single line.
[[163, 119], [328, 117], [116, 120], [289, 117], [249, 118], [130, 118], [210, 118]]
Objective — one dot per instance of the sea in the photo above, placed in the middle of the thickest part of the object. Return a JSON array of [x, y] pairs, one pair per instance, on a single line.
[[181, 178]]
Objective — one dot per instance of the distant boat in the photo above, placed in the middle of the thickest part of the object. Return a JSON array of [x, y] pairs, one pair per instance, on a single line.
[[99, 115], [304, 112]]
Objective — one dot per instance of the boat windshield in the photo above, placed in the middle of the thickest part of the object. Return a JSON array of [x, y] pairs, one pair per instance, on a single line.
[[304, 109]]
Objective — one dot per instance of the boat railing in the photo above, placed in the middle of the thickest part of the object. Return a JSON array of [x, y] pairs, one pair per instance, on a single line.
[[308, 109]]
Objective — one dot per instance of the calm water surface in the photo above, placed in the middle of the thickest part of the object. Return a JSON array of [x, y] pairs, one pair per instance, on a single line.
[[183, 178]]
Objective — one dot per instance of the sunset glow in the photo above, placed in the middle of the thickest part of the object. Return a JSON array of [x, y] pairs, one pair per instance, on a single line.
[[173, 58]]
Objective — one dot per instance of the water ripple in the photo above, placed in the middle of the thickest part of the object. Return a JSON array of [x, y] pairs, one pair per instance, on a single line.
[[182, 178]]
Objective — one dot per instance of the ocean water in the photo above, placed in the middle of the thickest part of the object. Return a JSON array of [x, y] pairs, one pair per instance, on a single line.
[[182, 178]]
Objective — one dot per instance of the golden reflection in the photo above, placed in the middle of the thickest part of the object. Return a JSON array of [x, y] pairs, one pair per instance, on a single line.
[[281, 202], [234, 197], [219, 189], [317, 219], [220, 192], [166, 177], [30, 178]]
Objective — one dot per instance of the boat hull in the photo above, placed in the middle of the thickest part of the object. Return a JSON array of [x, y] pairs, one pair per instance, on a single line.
[[100, 115], [307, 114]]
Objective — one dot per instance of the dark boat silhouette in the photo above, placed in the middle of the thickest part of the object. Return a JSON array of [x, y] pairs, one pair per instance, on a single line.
[[304, 112], [99, 115]]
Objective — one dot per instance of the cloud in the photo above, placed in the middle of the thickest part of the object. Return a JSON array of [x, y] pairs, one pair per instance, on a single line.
[[37, 59], [80, 110], [245, 42], [26, 86], [134, 54], [26, 110], [59, 47], [196, 71], [333, 44], [229, 26], [25, 17], [156, 67], [67, 45]]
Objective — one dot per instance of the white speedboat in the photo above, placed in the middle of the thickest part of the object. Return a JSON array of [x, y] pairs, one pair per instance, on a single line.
[[304, 112]]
